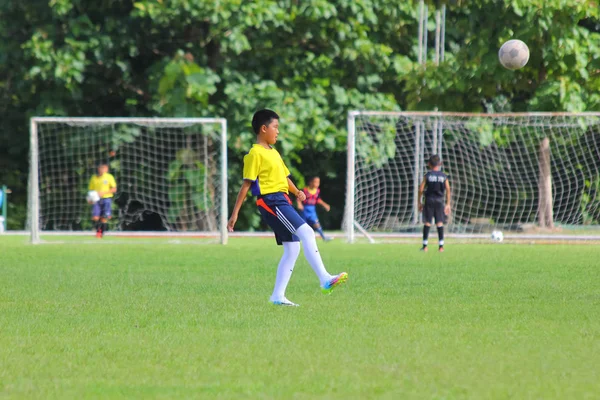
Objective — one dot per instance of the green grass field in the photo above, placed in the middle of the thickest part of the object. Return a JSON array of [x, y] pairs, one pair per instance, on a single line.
[[150, 319]]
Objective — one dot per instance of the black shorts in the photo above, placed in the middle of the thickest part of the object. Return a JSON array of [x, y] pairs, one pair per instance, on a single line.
[[434, 210]]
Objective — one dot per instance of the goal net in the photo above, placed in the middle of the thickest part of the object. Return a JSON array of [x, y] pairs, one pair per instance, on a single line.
[[171, 174], [536, 173]]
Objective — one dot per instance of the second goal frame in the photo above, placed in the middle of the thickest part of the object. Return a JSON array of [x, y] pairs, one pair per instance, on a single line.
[[538, 171]]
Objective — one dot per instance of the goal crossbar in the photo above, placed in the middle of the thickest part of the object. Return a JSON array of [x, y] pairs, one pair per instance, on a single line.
[[141, 121], [354, 114]]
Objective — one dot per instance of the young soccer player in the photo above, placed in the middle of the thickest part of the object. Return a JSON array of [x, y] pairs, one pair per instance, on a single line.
[[435, 186], [267, 176], [106, 186], [308, 207]]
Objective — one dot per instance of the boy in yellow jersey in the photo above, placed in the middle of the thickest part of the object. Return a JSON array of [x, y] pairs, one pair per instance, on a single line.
[[103, 183], [267, 176], [308, 207]]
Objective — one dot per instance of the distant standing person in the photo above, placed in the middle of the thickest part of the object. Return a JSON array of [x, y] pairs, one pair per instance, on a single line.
[[106, 186], [437, 200], [308, 207]]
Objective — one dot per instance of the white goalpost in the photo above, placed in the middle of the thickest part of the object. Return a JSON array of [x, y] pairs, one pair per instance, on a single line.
[[171, 175], [531, 175]]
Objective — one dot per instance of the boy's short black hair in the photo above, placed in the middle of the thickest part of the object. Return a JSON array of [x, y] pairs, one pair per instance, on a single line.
[[435, 160], [312, 178], [101, 164], [263, 117]]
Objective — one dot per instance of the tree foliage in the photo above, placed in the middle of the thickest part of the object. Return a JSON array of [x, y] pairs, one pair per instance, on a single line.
[[311, 60], [563, 73]]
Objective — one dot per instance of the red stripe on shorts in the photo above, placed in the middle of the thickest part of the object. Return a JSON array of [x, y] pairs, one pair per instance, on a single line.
[[261, 203]]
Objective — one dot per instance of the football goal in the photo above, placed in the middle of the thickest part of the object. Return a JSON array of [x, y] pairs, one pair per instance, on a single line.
[[524, 174], [171, 175]]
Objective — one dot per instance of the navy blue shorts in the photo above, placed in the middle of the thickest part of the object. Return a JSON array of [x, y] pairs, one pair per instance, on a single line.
[[102, 208], [277, 211], [310, 215]]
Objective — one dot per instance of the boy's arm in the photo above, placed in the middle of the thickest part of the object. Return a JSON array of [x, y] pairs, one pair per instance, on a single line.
[[112, 190], [238, 204], [448, 197], [299, 204], [420, 197], [294, 190], [326, 206]]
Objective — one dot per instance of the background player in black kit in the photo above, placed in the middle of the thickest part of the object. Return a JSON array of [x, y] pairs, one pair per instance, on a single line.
[[436, 187]]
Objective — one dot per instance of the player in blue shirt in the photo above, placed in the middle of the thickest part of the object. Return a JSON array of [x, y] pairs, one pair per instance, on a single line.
[[308, 207]]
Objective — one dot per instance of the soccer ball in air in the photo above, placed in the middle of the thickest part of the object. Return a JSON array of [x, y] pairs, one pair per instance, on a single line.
[[92, 197], [513, 54], [497, 236]]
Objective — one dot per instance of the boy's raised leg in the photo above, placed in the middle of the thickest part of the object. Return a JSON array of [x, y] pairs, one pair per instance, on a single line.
[[311, 252]]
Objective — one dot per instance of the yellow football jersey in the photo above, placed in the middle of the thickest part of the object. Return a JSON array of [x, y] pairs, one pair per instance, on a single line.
[[103, 183], [267, 171]]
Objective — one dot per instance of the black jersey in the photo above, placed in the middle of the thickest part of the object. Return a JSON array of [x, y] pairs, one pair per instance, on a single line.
[[435, 185]]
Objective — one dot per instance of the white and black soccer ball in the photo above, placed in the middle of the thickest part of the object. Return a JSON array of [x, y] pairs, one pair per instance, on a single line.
[[92, 197], [497, 236], [513, 54]]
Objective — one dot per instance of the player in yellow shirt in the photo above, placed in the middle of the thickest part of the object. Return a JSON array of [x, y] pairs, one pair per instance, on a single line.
[[106, 186], [266, 175]]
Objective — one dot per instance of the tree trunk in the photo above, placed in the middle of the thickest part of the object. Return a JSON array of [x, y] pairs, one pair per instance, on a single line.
[[545, 217]]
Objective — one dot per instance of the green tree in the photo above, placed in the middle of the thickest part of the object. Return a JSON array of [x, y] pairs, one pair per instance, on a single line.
[[563, 73]]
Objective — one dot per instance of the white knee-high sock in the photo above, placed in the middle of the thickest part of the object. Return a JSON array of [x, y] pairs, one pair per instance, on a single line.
[[311, 252], [291, 250]]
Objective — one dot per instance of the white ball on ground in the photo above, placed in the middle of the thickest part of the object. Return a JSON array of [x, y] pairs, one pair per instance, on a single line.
[[497, 236], [92, 197], [513, 54]]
